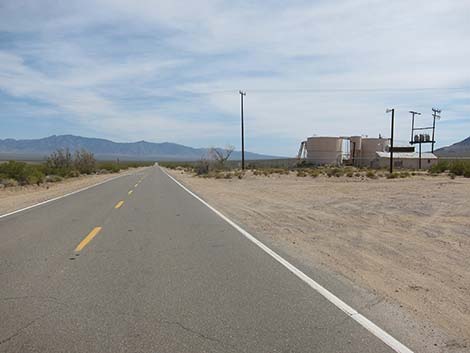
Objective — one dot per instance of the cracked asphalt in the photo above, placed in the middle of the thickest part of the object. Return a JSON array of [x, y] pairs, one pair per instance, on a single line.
[[158, 273]]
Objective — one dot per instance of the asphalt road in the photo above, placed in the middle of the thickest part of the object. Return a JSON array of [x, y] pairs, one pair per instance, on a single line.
[[139, 265]]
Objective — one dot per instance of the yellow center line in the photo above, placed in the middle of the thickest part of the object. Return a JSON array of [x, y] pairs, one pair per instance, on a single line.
[[130, 192], [88, 238], [119, 204]]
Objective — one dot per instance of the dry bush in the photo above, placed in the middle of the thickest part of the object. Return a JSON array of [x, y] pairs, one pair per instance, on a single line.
[[220, 156]]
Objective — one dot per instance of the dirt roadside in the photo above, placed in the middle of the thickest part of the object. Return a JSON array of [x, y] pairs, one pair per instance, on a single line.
[[14, 198], [407, 241]]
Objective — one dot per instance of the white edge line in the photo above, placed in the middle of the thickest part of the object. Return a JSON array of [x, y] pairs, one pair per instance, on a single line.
[[60, 197], [385, 337]]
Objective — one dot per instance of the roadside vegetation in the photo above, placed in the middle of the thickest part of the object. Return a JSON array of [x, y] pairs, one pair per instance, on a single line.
[[216, 164], [60, 165], [452, 168], [210, 168], [219, 167]]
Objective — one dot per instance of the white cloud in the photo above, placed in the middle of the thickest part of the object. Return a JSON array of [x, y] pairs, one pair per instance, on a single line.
[[94, 59]]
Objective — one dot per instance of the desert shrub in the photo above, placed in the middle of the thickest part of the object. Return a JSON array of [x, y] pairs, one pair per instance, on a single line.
[[457, 167], [111, 167], [217, 175], [59, 162], [337, 172], [371, 174], [439, 167], [350, 174], [202, 167], [84, 162], [301, 173], [405, 174], [73, 174], [452, 175], [22, 172], [281, 171], [357, 174], [454, 167], [304, 164], [8, 182], [53, 178], [314, 173], [239, 174], [34, 176], [393, 175]]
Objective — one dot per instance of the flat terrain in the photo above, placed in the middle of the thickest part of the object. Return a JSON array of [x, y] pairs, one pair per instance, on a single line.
[[406, 241], [139, 265]]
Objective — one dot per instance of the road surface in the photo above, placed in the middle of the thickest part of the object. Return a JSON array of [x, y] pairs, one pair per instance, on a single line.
[[137, 264]]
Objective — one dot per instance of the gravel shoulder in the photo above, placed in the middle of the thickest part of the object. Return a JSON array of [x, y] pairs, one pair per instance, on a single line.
[[406, 241], [15, 198]]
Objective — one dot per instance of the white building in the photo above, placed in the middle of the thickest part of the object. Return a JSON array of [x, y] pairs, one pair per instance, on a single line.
[[405, 160]]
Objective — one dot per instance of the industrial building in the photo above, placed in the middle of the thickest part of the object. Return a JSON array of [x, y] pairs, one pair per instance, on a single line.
[[353, 150], [361, 151], [405, 160]]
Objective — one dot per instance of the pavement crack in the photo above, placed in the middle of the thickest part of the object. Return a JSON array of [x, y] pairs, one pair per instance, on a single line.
[[197, 333], [18, 331]]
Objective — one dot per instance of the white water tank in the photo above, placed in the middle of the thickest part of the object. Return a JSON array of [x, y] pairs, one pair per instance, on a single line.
[[324, 150]]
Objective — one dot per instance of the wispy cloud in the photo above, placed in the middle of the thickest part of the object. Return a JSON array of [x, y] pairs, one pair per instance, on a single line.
[[170, 70]]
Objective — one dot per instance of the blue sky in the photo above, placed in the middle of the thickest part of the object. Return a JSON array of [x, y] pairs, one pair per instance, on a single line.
[[171, 70]]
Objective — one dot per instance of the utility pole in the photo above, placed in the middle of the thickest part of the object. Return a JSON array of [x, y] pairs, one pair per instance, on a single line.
[[413, 124], [435, 115], [391, 138], [242, 94]]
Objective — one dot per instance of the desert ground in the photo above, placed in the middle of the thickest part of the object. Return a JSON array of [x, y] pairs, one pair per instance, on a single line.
[[14, 198], [406, 241]]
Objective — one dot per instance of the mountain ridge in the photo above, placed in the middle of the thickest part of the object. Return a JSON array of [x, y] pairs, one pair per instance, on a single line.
[[107, 149], [458, 149]]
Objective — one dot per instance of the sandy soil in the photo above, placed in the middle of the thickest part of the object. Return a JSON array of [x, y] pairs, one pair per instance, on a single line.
[[407, 240], [14, 198]]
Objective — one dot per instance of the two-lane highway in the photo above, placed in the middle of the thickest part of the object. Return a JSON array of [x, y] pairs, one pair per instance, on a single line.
[[139, 265]]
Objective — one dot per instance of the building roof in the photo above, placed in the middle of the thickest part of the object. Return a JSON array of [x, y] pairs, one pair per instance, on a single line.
[[407, 155]]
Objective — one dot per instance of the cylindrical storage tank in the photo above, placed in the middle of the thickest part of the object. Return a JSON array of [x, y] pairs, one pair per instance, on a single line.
[[356, 141], [324, 150], [372, 145], [369, 148]]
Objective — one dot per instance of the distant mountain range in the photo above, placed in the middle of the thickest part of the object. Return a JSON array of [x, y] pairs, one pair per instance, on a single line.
[[106, 149], [459, 149]]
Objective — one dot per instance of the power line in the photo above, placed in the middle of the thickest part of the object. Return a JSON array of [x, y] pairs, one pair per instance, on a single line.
[[329, 90], [378, 89]]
